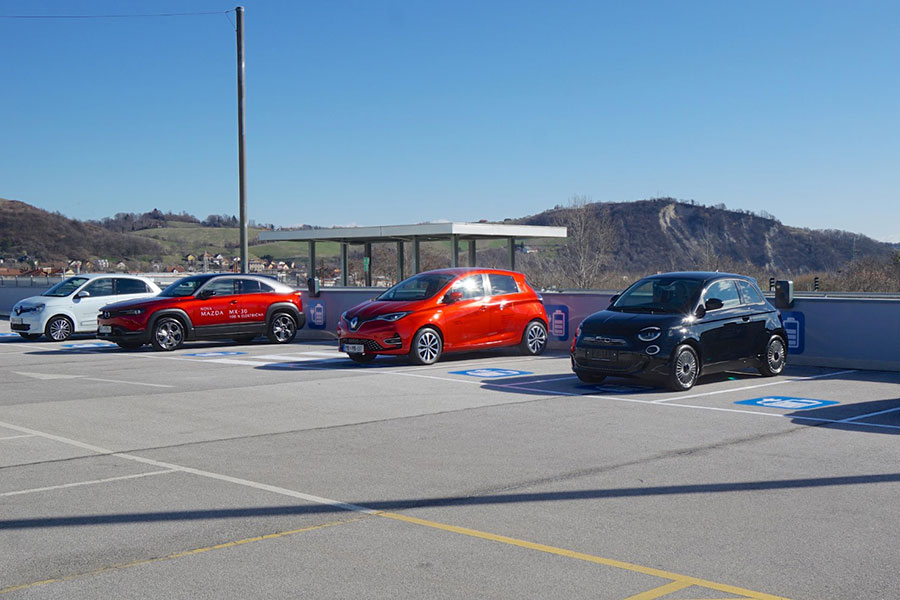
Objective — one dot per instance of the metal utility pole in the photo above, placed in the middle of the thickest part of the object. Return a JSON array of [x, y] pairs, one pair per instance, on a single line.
[[239, 11]]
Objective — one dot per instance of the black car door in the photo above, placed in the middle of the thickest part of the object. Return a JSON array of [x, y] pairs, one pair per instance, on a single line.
[[725, 331]]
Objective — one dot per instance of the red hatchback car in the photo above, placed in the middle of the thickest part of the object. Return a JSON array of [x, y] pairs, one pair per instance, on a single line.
[[443, 311], [202, 307]]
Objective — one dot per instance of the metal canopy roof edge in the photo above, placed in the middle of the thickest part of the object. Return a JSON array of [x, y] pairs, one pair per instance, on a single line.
[[423, 230]]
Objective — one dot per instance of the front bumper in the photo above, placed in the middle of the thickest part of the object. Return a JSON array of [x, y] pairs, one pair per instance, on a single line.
[[377, 338], [26, 323], [119, 333], [619, 362]]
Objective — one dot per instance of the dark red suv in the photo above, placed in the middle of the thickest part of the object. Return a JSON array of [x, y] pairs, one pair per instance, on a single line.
[[202, 307]]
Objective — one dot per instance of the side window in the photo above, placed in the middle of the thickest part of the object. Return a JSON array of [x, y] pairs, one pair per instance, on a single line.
[[100, 287], [222, 287], [247, 286], [130, 286], [750, 294], [725, 291], [502, 284], [471, 287]]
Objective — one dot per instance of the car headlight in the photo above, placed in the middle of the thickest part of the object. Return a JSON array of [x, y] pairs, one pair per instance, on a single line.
[[391, 317], [132, 311], [648, 334]]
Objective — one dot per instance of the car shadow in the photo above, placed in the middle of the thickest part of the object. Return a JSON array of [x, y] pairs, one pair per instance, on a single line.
[[876, 416]]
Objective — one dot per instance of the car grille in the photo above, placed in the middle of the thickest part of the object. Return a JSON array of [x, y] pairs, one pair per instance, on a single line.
[[370, 345], [603, 340], [612, 361]]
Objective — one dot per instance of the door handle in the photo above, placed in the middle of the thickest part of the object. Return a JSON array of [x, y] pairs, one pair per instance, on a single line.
[[233, 302]]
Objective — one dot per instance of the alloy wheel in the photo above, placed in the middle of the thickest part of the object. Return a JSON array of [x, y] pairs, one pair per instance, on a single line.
[[428, 347], [59, 329]]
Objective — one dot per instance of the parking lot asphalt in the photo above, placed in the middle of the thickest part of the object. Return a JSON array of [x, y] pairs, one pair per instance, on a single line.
[[224, 470]]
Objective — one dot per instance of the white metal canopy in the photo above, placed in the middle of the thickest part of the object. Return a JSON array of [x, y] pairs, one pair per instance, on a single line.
[[453, 232]]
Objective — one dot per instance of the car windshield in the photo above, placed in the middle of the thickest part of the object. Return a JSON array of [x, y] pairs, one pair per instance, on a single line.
[[418, 287], [185, 287], [659, 295], [65, 287]]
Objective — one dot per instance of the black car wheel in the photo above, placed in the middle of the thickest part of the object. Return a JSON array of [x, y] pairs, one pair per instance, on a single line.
[[426, 347], [362, 358], [59, 328], [590, 378], [774, 357], [168, 334], [30, 336], [534, 339], [684, 369], [282, 328]]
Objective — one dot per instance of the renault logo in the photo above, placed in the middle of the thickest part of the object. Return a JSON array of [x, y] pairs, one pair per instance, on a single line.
[[354, 323]]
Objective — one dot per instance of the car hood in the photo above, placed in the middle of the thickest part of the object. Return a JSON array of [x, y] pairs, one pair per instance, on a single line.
[[621, 323], [138, 303], [374, 308], [33, 301]]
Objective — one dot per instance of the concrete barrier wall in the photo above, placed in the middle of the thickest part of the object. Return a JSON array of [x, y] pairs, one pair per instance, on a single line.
[[852, 333]]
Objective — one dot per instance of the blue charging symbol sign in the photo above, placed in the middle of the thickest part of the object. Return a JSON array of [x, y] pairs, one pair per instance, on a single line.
[[795, 327], [558, 315]]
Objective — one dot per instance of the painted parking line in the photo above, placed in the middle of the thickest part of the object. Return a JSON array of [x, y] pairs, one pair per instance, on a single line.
[[84, 483], [54, 376], [744, 594], [15, 437], [757, 386]]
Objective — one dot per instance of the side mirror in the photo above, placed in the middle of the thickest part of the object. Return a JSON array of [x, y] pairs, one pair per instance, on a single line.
[[83, 294], [714, 304], [206, 294], [451, 297]]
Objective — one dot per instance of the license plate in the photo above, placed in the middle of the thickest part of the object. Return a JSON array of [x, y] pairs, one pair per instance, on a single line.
[[603, 354], [105, 329], [16, 320], [354, 348]]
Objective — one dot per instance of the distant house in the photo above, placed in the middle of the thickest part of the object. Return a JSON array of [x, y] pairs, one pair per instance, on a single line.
[[121, 266]]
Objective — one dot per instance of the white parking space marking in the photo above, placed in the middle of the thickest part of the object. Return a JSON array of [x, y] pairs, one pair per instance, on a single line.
[[83, 483], [870, 415], [46, 376], [16, 437], [753, 387], [51, 376]]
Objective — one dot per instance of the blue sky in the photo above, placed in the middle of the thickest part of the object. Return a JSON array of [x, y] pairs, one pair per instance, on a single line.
[[386, 112]]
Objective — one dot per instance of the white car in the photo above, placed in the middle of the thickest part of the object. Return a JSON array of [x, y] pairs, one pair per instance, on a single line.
[[72, 305]]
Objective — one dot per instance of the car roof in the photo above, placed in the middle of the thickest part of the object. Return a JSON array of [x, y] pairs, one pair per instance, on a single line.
[[700, 275], [98, 275], [456, 271]]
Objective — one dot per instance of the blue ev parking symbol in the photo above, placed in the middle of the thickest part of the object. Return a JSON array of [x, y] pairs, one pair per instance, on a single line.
[[788, 403]]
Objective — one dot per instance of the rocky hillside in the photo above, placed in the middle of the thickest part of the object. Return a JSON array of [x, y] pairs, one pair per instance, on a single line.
[[666, 234]]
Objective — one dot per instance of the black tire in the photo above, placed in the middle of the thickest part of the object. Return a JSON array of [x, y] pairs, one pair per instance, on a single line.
[[534, 339], [774, 357], [59, 328], [243, 339], [590, 378], [30, 336], [168, 334], [282, 328], [362, 358], [129, 345], [426, 347], [684, 370]]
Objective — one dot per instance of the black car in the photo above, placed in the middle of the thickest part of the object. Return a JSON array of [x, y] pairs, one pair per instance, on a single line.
[[674, 327]]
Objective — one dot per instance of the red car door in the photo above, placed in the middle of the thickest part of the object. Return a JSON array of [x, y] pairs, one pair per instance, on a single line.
[[215, 304], [506, 318], [465, 320], [255, 299]]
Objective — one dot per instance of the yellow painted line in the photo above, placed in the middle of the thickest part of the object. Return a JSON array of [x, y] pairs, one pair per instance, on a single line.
[[661, 591], [719, 587], [147, 561]]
